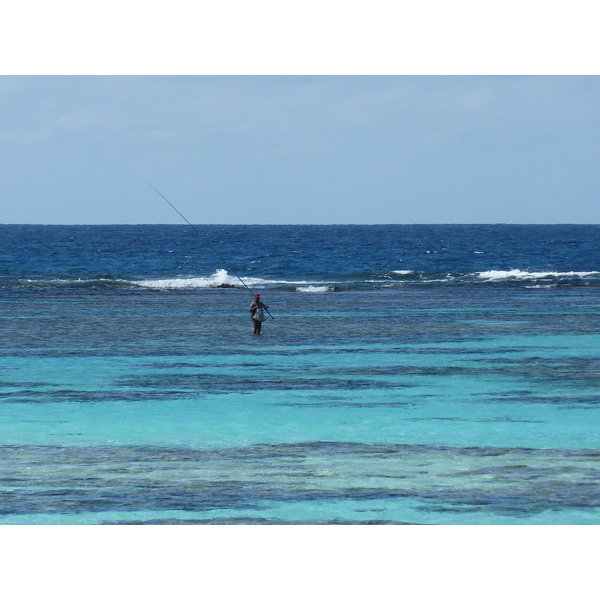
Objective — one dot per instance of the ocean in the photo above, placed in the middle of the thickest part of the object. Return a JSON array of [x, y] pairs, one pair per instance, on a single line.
[[408, 374]]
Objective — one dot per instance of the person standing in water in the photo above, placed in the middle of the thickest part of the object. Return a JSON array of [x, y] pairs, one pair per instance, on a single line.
[[258, 315]]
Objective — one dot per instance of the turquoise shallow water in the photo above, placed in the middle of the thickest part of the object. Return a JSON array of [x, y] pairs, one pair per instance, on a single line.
[[409, 403], [498, 426], [423, 397]]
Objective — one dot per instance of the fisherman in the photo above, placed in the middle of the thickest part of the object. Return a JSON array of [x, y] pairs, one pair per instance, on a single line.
[[258, 315]]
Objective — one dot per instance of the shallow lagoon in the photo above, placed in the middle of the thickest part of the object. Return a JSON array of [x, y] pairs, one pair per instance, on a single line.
[[410, 403]]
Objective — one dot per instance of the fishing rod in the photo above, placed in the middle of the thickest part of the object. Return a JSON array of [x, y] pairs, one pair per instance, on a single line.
[[205, 240]]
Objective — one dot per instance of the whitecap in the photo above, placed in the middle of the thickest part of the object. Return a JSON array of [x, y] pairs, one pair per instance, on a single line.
[[519, 275], [316, 288], [220, 277]]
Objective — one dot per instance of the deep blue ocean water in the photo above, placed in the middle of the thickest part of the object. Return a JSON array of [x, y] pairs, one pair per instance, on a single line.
[[428, 374]]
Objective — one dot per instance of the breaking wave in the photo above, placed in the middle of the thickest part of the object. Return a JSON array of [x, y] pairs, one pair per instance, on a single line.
[[518, 275], [362, 280], [221, 278], [317, 288]]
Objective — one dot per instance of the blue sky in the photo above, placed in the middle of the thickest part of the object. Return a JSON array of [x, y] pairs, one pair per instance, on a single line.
[[300, 149]]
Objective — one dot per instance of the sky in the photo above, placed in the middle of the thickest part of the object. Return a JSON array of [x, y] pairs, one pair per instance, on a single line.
[[300, 149]]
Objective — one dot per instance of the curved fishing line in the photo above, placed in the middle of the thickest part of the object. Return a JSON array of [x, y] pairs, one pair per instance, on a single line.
[[203, 238]]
